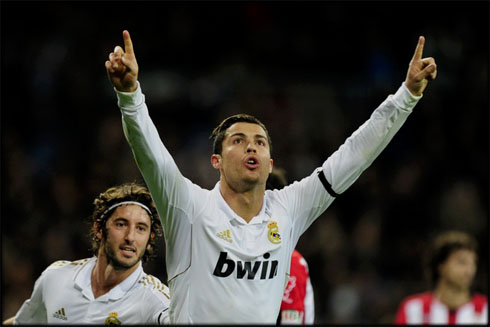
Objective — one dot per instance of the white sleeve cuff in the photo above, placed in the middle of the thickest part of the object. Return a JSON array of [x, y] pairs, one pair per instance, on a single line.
[[404, 99], [129, 100]]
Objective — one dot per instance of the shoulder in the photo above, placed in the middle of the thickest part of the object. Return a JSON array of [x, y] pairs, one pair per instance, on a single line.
[[70, 264], [418, 297], [152, 285], [480, 298], [480, 301], [60, 271], [65, 266]]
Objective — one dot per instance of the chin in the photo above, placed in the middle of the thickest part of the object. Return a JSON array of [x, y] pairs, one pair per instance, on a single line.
[[124, 263]]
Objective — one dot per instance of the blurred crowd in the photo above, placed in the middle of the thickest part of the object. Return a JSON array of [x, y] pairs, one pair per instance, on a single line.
[[312, 72]]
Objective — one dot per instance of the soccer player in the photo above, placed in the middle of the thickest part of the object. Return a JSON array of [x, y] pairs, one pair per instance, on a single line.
[[451, 267], [298, 303], [110, 288], [228, 249]]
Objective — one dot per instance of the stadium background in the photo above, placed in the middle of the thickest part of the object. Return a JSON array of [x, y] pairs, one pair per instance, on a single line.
[[312, 72]]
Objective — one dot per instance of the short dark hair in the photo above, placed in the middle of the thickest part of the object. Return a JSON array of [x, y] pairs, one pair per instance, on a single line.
[[442, 247], [125, 192], [218, 134]]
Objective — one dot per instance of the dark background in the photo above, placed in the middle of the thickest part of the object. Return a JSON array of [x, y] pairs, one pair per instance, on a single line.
[[311, 71]]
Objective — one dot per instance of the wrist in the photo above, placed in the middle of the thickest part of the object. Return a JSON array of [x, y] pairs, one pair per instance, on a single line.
[[416, 92], [130, 99]]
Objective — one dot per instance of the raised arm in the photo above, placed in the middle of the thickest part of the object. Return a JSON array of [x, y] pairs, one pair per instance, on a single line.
[[360, 149], [155, 163], [174, 195], [365, 144]]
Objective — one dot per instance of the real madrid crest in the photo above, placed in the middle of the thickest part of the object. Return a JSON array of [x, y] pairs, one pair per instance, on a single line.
[[112, 319], [273, 233]]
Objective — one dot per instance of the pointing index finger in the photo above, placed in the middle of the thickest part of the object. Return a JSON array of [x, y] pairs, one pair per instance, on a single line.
[[419, 49], [128, 44]]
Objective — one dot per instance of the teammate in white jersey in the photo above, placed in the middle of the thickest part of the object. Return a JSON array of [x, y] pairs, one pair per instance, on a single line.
[[111, 287], [229, 248], [451, 267]]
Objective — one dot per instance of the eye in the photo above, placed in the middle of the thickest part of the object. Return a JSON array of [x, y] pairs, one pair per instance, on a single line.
[[142, 228], [119, 224], [237, 141], [261, 142]]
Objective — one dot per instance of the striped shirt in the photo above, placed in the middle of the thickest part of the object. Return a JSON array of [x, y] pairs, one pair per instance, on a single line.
[[424, 308]]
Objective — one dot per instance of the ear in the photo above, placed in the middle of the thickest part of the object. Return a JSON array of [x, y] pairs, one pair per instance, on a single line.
[[216, 161], [97, 232], [271, 166]]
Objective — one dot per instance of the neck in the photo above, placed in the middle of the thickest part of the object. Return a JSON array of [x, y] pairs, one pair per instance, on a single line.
[[105, 277], [451, 295], [246, 204]]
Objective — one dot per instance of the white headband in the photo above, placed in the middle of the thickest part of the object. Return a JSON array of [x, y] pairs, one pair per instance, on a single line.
[[127, 202]]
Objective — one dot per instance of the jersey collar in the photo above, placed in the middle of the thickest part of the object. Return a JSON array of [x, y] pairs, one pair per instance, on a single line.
[[84, 284], [263, 215]]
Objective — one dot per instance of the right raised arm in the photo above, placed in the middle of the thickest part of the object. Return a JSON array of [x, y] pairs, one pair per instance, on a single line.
[[155, 163], [174, 195], [122, 67]]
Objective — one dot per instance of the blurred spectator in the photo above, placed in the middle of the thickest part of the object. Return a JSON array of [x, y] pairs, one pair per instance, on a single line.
[[451, 267]]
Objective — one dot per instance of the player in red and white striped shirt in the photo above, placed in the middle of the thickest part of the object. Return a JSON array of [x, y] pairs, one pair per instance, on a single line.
[[297, 307], [452, 266]]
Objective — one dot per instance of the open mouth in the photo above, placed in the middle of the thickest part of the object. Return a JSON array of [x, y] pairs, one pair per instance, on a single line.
[[128, 251], [252, 163]]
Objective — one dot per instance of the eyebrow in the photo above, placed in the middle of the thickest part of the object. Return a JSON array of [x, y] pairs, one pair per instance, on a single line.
[[127, 220], [243, 135]]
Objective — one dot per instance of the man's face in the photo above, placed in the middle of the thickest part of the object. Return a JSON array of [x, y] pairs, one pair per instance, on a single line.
[[459, 268], [245, 160], [128, 232]]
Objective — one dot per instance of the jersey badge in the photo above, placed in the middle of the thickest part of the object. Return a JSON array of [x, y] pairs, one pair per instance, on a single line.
[[225, 235], [273, 233], [112, 319]]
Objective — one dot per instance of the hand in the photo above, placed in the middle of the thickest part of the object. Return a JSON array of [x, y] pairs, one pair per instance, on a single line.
[[420, 71], [122, 67]]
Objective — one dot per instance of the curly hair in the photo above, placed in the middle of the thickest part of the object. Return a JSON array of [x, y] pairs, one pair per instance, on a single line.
[[218, 134], [442, 247], [116, 194]]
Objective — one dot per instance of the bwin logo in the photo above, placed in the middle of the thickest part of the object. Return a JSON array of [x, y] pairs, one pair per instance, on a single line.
[[225, 267]]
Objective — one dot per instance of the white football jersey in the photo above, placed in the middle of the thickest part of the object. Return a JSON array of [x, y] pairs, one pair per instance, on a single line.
[[63, 295], [222, 269]]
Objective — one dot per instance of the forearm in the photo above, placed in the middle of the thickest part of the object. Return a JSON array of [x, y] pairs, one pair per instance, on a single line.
[[153, 159], [345, 165]]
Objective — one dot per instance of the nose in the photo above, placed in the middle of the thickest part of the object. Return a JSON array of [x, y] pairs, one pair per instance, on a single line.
[[251, 147], [130, 234]]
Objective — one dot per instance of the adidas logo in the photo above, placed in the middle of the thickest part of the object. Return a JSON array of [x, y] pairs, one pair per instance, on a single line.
[[225, 235], [60, 314]]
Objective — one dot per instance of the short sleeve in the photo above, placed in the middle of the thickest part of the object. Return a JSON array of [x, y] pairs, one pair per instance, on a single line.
[[33, 310]]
